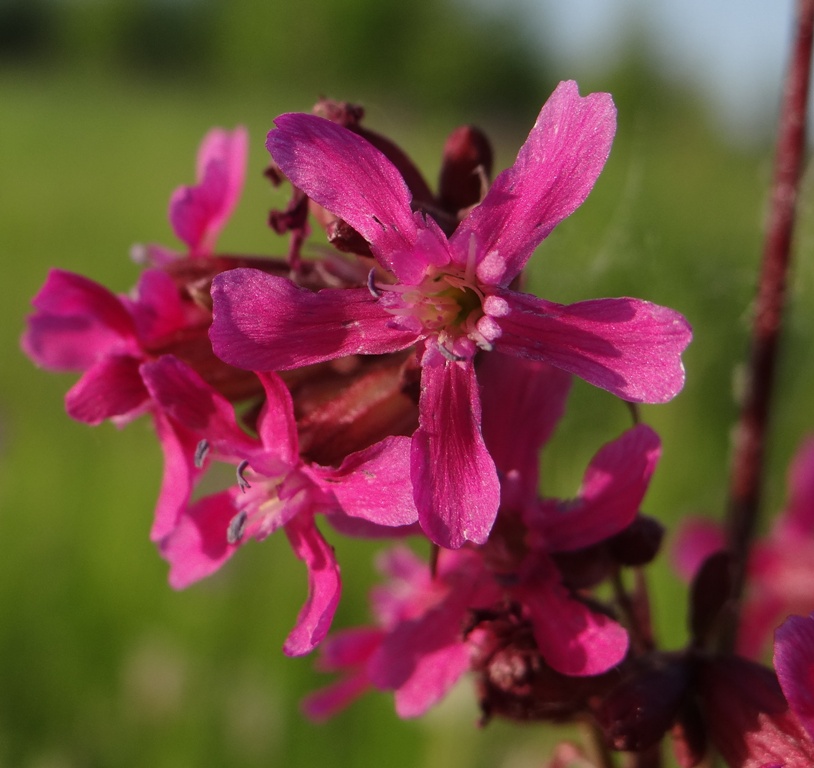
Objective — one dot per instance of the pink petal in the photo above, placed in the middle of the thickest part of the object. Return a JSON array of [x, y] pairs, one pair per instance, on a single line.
[[694, 542], [332, 699], [347, 651], [612, 492], [276, 425], [761, 614], [798, 519], [189, 400], [374, 484], [554, 172], [455, 483], [197, 546], [794, 664], [359, 528], [434, 674], [571, 637], [111, 388], [266, 323], [77, 321], [629, 347], [422, 658], [522, 401], [180, 474], [348, 648], [345, 174], [198, 213], [158, 312], [324, 586]]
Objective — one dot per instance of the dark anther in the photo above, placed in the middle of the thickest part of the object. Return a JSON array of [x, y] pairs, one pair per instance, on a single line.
[[450, 355], [201, 450], [371, 284], [242, 482], [237, 527]]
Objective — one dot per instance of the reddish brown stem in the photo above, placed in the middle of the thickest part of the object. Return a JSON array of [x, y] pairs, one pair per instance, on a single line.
[[750, 437]]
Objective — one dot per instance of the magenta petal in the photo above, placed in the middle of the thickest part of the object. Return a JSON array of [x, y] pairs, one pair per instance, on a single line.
[[423, 657], [112, 388], [522, 401], [374, 484], [554, 172], [197, 546], [348, 652], [434, 674], [348, 648], [189, 400], [180, 474], [158, 310], [612, 492], [328, 701], [572, 639], [324, 586], [798, 519], [198, 213], [276, 425], [266, 323], [76, 322], [455, 483], [761, 614], [794, 664], [347, 175], [694, 542], [629, 347]]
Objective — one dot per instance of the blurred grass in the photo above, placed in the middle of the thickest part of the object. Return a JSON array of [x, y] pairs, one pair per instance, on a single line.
[[101, 664]]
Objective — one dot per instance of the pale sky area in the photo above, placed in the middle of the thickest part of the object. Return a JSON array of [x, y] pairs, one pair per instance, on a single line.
[[734, 49]]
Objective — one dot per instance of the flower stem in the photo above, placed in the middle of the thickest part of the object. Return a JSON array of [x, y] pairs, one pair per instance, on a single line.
[[746, 477]]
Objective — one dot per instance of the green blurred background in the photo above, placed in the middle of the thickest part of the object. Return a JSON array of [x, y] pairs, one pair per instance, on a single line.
[[102, 105]]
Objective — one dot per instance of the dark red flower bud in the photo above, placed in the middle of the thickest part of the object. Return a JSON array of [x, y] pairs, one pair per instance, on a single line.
[[640, 710], [639, 543], [466, 169], [709, 593], [584, 568]]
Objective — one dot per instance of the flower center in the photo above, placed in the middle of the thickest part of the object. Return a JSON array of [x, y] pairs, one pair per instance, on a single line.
[[444, 303]]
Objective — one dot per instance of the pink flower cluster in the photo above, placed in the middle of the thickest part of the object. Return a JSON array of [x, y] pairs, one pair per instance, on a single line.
[[401, 385]]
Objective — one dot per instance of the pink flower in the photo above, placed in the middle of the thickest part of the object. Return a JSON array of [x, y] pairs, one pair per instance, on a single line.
[[79, 325], [524, 399], [451, 297], [781, 565], [199, 212], [420, 649], [275, 489], [421, 644]]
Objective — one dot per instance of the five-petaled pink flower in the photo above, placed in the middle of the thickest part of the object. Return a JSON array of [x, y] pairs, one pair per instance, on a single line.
[[451, 297], [275, 488]]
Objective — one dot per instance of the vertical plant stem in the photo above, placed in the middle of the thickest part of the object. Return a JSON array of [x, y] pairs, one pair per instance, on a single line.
[[746, 478]]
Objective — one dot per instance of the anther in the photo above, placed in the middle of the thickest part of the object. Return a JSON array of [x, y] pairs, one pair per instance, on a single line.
[[242, 482], [201, 451], [371, 285], [450, 355], [237, 527]]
